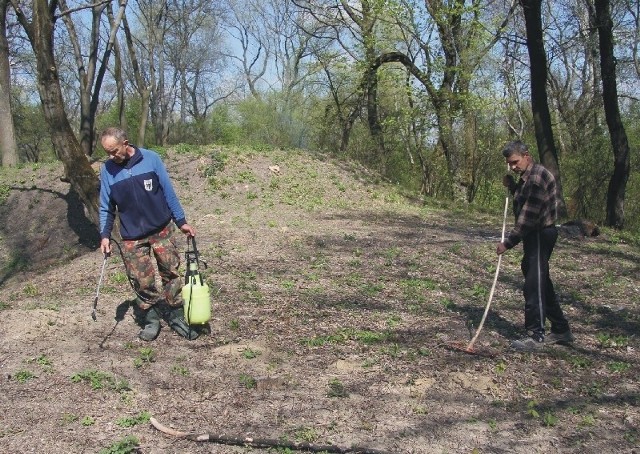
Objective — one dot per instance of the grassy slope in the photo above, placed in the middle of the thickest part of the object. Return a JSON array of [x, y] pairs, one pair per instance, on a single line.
[[335, 303]]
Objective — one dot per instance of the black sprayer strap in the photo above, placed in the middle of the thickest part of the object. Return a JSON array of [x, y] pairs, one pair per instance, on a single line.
[[192, 256]]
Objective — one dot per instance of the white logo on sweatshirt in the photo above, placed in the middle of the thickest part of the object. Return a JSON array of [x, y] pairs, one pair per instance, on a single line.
[[148, 185]]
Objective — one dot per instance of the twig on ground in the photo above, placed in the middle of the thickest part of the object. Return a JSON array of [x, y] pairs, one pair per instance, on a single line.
[[260, 442]]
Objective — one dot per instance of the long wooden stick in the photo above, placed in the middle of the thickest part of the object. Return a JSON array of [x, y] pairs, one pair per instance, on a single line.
[[260, 442], [469, 347]]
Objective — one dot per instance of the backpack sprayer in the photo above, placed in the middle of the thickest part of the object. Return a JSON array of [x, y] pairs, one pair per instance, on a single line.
[[195, 292]]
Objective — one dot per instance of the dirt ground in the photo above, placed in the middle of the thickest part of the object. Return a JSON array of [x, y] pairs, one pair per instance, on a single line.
[[336, 302]]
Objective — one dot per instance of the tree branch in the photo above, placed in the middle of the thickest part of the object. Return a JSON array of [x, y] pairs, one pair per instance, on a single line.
[[81, 8], [260, 442]]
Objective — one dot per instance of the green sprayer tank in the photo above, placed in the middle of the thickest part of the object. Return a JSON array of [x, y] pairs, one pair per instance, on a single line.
[[195, 293]]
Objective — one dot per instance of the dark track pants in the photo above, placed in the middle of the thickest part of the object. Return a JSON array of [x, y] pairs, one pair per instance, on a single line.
[[540, 298]]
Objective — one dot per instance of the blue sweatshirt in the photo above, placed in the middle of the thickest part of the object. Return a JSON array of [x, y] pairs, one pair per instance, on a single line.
[[142, 193]]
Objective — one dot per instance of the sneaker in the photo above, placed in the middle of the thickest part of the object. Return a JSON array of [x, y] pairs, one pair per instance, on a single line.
[[528, 344], [562, 338]]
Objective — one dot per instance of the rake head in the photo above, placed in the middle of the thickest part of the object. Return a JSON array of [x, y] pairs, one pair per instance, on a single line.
[[469, 349]]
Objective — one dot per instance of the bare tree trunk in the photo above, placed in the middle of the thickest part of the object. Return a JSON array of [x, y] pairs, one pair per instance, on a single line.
[[366, 20], [40, 33], [140, 83], [470, 170], [117, 71], [539, 101], [449, 146], [347, 125], [255, 47], [89, 75], [619, 142], [373, 121], [8, 146]]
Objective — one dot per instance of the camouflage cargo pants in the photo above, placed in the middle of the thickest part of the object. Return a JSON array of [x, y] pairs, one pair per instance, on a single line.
[[137, 258]]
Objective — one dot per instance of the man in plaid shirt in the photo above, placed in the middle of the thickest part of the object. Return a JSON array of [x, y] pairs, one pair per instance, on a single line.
[[534, 207]]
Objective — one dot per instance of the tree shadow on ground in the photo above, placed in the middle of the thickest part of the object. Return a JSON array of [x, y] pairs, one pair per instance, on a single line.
[[86, 231], [622, 321], [606, 248], [516, 414], [36, 238], [494, 321]]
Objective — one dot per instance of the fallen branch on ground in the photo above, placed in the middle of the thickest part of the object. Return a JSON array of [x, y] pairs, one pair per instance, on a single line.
[[260, 442]]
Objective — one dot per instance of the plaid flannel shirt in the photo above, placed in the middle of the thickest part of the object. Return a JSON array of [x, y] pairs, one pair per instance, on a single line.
[[534, 203]]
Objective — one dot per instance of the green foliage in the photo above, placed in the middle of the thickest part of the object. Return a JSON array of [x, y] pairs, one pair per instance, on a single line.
[[119, 277], [99, 380], [579, 362], [305, 435], [618, 366], [127, 445], [269, 123], [337, 389], [68, 418], [30, 290], [87, 421], [131, 421], [624, 237], [15, 263], [532, 409], [5, 191], [631, 436], [549, 419], [180, 370], [146, 355], [218, 162], [23, 376], [447, 303], [31, 130], [586, 172], [371, 289], [420, 410], [607, 340], [247, 381], [185, 148], [44, 361], [224, 129], [193, 132], [632, 208], [479, 291], [249, 353], [162, 151], [132, 115], [345, 334]]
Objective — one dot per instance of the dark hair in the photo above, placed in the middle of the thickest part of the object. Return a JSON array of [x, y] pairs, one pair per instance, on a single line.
[[515, 147], [117, 133]]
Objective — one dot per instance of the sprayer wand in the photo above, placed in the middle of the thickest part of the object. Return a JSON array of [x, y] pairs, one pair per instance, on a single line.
[[95, 301]]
